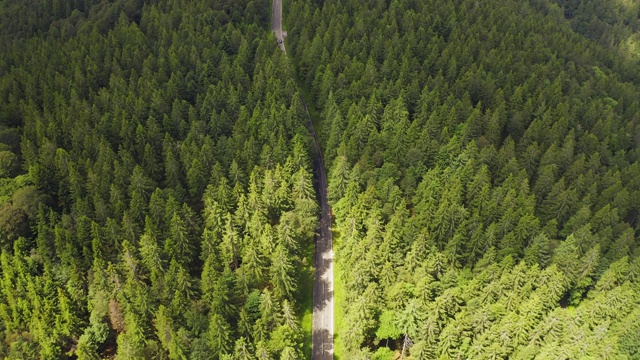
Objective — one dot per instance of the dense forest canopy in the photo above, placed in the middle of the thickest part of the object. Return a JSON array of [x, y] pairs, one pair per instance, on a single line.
[[157, 197], [156, 190], [484, 177]]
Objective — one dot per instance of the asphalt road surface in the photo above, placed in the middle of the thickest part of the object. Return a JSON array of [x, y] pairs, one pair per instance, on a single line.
[[322, 331], [322, 336]]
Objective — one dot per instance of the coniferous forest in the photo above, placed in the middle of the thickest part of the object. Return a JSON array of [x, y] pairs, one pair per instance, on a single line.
[[158, 199], [157, 191], [484, 176]]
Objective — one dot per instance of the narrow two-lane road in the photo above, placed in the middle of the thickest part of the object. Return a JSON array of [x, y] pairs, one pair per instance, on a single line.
[[322, 330]]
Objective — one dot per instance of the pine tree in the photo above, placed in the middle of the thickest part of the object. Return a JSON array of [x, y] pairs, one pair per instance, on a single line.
[[281, 273], [218, 336], [178, 245], [173, 341]]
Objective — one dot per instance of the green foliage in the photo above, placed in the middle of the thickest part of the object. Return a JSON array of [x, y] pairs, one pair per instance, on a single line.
[[8, 164], [383, 353]]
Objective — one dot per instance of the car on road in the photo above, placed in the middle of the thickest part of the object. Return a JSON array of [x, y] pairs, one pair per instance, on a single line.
[[279, 41]]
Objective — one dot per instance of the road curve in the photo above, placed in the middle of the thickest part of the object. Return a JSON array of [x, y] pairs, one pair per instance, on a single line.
[[322, 330]]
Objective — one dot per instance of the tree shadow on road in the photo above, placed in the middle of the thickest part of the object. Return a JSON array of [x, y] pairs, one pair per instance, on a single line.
[[325, 351]]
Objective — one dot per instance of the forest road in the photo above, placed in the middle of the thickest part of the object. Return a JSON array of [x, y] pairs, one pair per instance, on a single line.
[[276, 23], [322, 328]]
